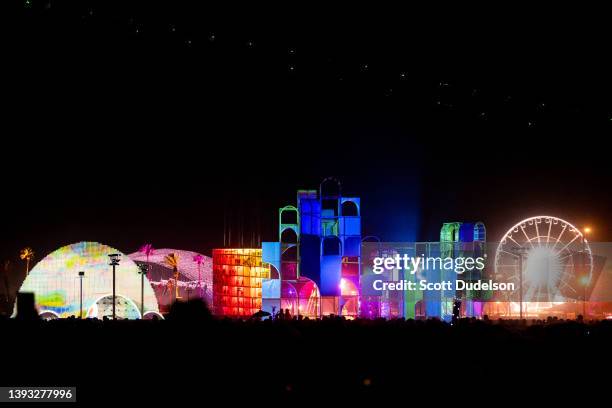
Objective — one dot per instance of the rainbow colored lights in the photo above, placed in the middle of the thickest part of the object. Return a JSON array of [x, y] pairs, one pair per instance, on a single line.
[[320, 265], [55, 282]]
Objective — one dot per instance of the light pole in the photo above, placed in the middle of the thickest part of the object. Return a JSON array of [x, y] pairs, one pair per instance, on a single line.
[[114, 261], [520, 252], [81, 275], [144, 268], [198, 259], [584, 280]]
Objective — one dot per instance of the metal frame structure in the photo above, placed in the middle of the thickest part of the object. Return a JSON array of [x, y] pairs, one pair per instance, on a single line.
[[237, 281], [327, 250], [564, 251]]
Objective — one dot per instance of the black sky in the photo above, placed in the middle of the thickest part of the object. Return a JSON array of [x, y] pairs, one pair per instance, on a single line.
[[130, 122]]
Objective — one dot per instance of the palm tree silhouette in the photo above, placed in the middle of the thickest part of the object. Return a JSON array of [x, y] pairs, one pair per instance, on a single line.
[[199, 259], [172, 260], [147, 250], [27, 254]]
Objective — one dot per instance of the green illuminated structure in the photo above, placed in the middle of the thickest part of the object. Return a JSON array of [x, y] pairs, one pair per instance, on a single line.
[[459, 239]]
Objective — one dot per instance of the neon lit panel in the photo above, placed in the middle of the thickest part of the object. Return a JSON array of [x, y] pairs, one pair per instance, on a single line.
[[237, 281]]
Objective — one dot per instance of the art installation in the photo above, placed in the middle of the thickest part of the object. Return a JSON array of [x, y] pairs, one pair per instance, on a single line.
[[316, 269], [193, 278], [316, 262], [237, 277], [549, 259], [56, 283], [287, 203]]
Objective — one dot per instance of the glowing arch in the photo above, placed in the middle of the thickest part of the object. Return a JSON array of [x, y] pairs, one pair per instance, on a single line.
[[301, 296], [134, 312], [323, 193], [331, 245], [48, 312], [291, 211], [289, 235], [349, 208], [152, 313]]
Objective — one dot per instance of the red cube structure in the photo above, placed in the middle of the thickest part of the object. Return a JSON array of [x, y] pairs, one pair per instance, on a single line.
[[237, 277]]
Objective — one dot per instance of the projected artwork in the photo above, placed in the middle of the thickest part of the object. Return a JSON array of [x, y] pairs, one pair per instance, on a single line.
[[194, 278], [55, 283]]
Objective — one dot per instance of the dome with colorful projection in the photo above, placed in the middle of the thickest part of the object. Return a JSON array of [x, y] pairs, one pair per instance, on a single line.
[[194, 275], [55, 283]]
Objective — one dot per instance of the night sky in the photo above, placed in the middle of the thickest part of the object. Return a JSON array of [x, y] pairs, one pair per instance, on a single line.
[[129, 122]]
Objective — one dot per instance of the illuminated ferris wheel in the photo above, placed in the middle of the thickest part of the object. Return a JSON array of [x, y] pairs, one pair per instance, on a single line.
[[548, 259]]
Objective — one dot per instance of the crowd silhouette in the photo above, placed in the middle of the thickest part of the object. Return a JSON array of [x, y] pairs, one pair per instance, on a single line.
[[192, 354]]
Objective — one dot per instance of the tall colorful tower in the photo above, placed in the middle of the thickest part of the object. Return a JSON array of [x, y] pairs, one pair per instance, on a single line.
[[472, 239], [461, 239], [319, 242]]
